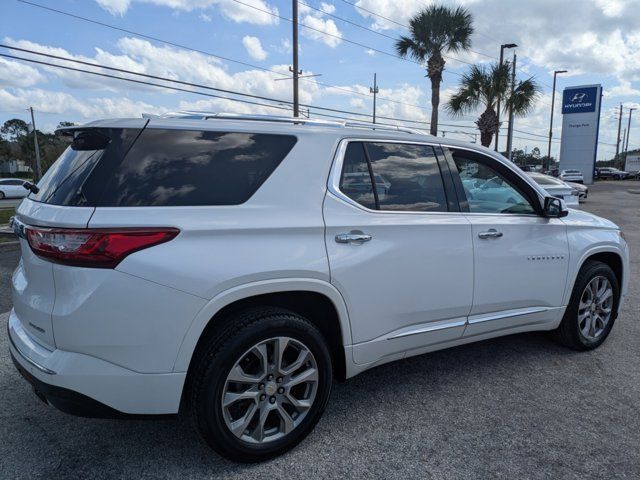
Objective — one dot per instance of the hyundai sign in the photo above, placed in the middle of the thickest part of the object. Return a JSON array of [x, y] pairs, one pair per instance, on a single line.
[[580, 125], [579, 100]]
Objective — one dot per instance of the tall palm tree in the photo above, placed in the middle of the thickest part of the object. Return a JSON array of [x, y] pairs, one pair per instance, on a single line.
[[436, 30], [483, 86]]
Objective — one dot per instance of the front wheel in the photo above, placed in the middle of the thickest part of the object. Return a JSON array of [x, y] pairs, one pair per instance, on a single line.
[[261, 384], [592, 309], [2, 195]]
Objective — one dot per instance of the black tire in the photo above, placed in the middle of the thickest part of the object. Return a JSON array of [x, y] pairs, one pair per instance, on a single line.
[[568, 333], [227, 345], [2, 195]]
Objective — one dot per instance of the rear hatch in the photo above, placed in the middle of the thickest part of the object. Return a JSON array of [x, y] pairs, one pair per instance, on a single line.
[[65, 199]]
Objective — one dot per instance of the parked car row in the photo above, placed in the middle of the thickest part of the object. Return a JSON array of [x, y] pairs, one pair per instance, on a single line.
[[606, 173]]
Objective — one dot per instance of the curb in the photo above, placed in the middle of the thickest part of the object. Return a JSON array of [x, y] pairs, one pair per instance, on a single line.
[[636, 192], [7, 246]]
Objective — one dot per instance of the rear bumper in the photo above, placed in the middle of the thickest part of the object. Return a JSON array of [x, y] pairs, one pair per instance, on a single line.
[[87, 386]]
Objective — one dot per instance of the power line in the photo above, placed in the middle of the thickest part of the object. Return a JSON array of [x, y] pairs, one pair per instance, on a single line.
[[338, 37], [140, 81], [203, 52], [231, 92], [376, 32]]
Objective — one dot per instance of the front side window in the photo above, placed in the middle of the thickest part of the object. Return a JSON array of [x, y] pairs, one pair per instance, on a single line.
[[488, 191], [393, 177]]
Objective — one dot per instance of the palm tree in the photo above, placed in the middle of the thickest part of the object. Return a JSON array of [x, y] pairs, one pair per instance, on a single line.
[[436, 30], [483, 85]]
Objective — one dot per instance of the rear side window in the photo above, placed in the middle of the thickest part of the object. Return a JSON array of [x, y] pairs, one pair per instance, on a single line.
[[356, 179], [65, 182], [121, 168], [179, 168], [406, 177]]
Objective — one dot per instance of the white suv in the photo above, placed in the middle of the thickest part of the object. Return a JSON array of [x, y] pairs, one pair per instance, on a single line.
[[233, 267]]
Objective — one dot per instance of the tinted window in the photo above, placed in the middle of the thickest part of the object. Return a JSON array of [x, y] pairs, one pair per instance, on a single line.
[[177, 167], [407, 177], [11, 182], [487, 191], [356, 180], [64, 182]]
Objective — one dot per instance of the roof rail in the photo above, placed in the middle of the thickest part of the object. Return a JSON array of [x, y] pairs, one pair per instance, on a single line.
[[197, 115]]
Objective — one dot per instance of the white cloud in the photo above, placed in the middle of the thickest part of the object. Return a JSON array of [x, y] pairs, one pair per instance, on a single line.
[[623, 89], [370, 52], [115, 7], [205, 18], [594, 36], [254, 47], [319, 30], [230, 9], [327, 7], [17, 74], [285, 46], [64, 104]]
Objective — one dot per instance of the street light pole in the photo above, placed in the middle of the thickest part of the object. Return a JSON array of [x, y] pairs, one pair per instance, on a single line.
[[374, 90], [513, 85], [296, 70], [502, 47], [553, 99]]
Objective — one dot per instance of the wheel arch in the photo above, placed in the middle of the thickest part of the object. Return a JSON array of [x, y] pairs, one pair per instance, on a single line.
[[316, 300], [607, 255]]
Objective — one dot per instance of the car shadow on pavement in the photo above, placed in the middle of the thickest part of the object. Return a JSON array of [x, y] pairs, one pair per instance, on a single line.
[[440, 385]]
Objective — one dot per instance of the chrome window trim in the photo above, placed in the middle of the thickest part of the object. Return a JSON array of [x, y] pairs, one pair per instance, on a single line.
[[336, 173]]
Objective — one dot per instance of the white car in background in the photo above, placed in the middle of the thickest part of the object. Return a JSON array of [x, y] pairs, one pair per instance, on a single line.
[[571, 176], [557, 188], [12, 187]]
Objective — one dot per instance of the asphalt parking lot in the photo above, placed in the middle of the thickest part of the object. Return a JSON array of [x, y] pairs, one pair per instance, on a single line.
[[514, 407]]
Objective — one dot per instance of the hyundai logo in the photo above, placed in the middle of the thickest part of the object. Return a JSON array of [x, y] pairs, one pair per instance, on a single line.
[[578, 97]]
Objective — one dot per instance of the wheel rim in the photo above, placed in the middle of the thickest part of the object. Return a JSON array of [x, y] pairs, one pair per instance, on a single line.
[[270, 390], [594, 311]]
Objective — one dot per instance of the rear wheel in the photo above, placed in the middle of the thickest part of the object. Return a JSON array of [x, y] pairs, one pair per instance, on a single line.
[[261, 384], [2, 195], [592, 309]]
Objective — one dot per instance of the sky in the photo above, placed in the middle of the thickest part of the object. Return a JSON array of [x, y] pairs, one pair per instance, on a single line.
[[245, 46]]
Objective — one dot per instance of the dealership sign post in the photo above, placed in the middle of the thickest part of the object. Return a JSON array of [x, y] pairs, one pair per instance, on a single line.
[[580, 125]]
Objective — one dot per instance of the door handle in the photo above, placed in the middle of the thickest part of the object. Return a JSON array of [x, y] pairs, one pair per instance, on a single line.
[[491, 233], [354, 237]]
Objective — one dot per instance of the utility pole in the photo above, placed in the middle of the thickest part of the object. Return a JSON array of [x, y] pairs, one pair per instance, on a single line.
[[619, 126], [38, 172], [296, 68], [626, 148], [513, 86], [374, 90], [502, 47], [553, 99]]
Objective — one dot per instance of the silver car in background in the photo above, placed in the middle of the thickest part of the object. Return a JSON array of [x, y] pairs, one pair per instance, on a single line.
[[557, 188]]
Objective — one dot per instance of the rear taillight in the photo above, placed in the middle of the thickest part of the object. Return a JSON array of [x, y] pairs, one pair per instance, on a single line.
[[94, 248]]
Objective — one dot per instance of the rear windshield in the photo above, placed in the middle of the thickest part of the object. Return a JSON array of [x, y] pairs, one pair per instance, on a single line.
[[158, 167]]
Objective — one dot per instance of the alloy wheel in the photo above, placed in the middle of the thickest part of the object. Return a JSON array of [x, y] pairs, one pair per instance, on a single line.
[[594, 310], [270, 390]]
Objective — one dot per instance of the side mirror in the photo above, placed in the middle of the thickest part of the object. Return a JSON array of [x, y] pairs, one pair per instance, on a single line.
[[555, 208]]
